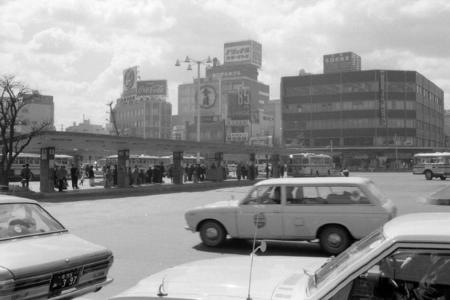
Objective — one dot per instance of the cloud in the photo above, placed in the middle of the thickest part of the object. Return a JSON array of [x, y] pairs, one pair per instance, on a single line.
[[76, 50]]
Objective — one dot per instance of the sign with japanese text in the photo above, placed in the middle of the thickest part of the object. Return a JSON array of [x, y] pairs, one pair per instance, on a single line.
[[244, 52], [152, 88]]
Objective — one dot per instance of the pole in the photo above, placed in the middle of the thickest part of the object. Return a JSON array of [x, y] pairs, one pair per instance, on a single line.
[[197, 105]]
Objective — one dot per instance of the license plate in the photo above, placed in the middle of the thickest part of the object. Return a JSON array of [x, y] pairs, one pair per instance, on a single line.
[[64, 279]]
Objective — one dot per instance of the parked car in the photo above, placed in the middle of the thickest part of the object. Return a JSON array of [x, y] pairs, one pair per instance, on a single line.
[[407, 258], [40, 259], [335, 210]]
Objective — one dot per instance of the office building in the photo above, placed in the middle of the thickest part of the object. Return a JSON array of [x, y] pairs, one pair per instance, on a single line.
[[142, 110], [37, 110]]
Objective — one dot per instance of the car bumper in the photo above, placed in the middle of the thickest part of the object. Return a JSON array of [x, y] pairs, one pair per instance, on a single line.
[[78, 292]]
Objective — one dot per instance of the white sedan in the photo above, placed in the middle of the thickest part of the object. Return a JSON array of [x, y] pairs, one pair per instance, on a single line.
[[408, 258], [335, 210]]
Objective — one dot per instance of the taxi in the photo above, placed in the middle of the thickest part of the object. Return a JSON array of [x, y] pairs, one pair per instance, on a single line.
[[406, 258], [335, 210], [41, 259]]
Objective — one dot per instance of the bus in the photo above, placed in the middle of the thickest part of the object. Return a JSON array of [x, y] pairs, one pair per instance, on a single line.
[[34, 162], [432, 165], [310, 164]]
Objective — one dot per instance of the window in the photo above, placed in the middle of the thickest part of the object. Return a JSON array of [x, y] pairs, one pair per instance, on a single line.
[[264, 195], [419, 273], [333, 195]]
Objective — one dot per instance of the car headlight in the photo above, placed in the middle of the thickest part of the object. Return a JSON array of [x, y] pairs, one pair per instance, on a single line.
[[6, 282]]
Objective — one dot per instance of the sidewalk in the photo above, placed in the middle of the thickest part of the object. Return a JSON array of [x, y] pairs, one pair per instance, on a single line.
[[87, 192]]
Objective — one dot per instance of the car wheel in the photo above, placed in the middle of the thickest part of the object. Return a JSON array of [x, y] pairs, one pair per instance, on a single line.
[[212, 233], [428, 175], [334, 239]]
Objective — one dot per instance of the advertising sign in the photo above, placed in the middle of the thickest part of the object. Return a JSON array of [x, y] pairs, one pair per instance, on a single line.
[[239, 105], [129, 80], [208, 96], [244, 52], [152, 88]]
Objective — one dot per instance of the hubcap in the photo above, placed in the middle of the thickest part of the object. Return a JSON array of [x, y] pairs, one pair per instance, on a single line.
[[211, 233], [334, 240]]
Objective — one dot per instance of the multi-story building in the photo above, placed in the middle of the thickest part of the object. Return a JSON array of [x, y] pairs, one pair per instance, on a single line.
[[143, 110], [87, 127], [447, 128], [273, 108], [231, 97], [37, 110], [374, 108]]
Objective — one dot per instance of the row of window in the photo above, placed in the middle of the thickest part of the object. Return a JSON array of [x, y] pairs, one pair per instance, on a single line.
[[347, 105], [347, 123]]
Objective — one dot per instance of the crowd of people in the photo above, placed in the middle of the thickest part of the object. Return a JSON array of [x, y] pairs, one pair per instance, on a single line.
[[194, 172]]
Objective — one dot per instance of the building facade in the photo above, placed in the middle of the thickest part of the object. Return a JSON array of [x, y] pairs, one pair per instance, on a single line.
[[87, 127], [362, 108], [231, 98], [37, 110], [143, 110]]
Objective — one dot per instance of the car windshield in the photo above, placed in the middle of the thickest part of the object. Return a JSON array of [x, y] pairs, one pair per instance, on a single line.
[[25, 219], [336, 264]]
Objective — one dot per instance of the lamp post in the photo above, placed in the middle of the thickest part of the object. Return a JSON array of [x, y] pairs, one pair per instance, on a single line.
[[205, 62]]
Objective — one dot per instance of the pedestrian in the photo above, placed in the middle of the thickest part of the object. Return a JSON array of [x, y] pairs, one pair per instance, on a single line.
[[115, 175], [61, 174], [91, 176], [26, 175], [108, 177], [74, 177], [162, 171], [135, 175]]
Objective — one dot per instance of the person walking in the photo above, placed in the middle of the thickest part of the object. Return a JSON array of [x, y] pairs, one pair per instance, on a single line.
[[74, 177]]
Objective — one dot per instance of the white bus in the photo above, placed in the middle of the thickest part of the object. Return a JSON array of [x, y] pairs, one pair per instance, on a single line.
[[34, 162], [432, 165], [310, 164]]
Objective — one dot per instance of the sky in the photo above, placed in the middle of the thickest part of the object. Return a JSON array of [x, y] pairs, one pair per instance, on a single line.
[[76, 50]]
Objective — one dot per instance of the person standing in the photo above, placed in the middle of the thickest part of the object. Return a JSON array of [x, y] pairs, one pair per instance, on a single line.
[[91, 176], [26, 175], [74, 177], [61, 174]]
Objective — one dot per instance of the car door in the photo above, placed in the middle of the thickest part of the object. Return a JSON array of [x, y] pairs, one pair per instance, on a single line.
[[260, 213]]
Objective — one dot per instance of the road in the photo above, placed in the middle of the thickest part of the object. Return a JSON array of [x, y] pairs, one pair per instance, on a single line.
[[147, 233]]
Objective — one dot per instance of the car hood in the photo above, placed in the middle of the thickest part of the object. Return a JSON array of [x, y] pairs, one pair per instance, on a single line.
[[273, 277], [219, 204], [39, 254]]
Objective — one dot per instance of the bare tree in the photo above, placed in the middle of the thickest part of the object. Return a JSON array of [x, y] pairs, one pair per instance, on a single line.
[[12, 142]]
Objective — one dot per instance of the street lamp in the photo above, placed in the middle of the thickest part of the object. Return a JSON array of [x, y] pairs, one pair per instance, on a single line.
[[205, 62]]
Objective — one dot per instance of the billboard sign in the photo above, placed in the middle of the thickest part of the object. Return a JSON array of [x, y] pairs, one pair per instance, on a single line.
[[129, 80], [152, 88], [244, 52], [208, 96], [238, 109]]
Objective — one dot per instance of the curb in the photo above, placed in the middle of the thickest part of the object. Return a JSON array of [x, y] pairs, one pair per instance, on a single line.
[[96, 194]]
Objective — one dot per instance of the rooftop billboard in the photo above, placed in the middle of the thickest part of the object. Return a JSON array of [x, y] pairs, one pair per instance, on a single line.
[[243, 52]]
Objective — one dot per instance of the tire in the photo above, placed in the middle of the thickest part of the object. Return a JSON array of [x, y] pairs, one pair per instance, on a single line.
[[334, 239], [428, 175], [212, 233], [443, 177]]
